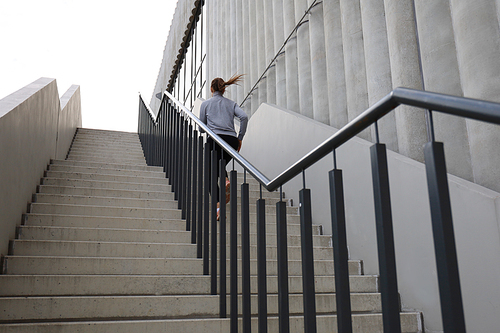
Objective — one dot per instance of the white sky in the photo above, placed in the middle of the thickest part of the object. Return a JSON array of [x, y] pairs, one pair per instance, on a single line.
[[112, 49]]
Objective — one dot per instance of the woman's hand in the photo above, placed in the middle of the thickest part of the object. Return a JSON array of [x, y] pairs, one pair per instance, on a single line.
[[239, 145]]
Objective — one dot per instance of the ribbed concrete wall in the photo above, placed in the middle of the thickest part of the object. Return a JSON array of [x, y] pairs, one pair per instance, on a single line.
[[347, 55], [180, 22], [35, 127]]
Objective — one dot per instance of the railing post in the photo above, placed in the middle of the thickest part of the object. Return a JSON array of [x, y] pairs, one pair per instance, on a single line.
[[206, 211], [385, 240], [282, 245], [222, 239], [163, 111], [175, 156], [200, 197], [182, 170], [340, 254], [171, 144], [233, 255], [166, 161], [213, 218], [189, 163], [261, 264], [308, 288], [245, 264], [194, 202], [450, 294]]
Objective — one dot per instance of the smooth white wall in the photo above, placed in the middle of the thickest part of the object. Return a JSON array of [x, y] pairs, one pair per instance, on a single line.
[[276, 138]]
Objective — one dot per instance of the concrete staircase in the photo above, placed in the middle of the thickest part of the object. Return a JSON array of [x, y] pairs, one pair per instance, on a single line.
[[103, 248]]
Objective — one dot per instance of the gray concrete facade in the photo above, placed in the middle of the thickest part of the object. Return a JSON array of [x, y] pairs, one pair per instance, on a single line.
[[35, 127], [347, 55]]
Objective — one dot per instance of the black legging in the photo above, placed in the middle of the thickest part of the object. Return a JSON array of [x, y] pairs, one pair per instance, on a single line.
[[233, 142]]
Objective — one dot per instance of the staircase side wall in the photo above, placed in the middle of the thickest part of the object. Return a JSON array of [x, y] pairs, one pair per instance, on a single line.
[[70, 119], [276, 138], [29, 126]]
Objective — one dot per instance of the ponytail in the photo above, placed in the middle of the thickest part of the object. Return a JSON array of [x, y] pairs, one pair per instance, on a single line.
[[220, 85]]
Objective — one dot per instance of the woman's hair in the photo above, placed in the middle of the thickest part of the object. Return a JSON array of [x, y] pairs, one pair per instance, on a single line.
[[220, 85]]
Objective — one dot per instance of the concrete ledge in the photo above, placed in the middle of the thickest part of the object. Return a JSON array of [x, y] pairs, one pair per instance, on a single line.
[[34, 128]]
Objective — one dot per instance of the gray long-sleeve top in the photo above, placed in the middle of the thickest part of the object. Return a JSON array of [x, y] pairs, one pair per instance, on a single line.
[[218, 113]]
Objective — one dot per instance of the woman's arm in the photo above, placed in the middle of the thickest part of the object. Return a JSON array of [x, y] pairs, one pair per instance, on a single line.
[[242, 116]]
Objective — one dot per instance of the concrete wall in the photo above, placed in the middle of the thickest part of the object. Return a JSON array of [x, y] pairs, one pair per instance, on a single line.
[[178, 27], [276, 138], [33, 130], [69, 119]]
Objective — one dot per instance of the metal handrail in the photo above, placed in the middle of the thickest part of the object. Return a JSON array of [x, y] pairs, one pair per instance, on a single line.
[[453, 105]]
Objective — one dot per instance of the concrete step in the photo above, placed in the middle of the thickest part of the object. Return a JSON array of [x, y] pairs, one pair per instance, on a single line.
[[103, 234], [32, 265], [105, 184], [107, 137], [129, 202], [111, 152], [411, 322], [106, 178], [102, 171], [103, 156], [98, 141], [106, 165], [91, 131], [62, 220], [134, 307], [124, 148], [86, 191], [139, 235], [139, 250], [123, 285], [41, 208], [102, 201], [104, 144], [107, 160]]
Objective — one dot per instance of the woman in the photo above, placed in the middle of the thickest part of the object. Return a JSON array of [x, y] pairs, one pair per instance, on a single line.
[[218, 114]]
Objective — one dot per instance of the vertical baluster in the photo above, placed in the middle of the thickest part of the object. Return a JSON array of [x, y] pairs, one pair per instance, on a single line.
[[450, 293], [155, 142], [162, 134], [195, 188], [175, 156], [148, 141], [185, 149], [222, 240], [206, 212], [182, 170], [171, 144], [385, 239], [340, 254], [189, 169], [306, 239], [165, 120], [200, 198], [168, 137], [213, 218], [233, 256], [282, 244], [261, 263], [245, 248]]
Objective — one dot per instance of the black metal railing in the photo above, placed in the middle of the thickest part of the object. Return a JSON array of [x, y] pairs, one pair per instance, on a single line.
[[174, 138]]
